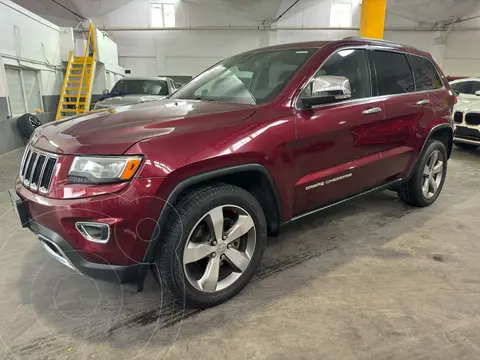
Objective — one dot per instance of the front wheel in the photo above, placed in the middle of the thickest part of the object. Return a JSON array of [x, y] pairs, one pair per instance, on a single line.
[[427, 180], [213, 246]]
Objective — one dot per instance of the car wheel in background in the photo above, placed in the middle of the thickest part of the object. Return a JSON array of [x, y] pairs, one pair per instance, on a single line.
[[426, 183], [213, 245], [27, 124]]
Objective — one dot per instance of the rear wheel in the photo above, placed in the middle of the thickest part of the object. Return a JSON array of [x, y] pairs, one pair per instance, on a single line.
[[427, 180], [465, 146], [213, 247]]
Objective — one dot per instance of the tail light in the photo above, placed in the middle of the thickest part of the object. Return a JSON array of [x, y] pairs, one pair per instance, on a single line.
[[455, 99]]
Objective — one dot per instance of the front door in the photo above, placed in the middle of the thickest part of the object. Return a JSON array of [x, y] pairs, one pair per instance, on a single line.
[[338, 147]]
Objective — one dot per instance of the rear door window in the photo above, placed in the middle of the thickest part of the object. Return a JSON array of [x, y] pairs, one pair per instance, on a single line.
[[393, 73], [426, 76]]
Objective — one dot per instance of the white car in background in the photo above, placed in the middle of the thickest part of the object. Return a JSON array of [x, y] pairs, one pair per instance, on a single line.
[[136, 90], [467, 113]]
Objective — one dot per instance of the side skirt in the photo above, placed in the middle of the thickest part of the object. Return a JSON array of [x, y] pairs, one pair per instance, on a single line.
[[378, 188]]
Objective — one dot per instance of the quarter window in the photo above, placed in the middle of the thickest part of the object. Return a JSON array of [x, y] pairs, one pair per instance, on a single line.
[[349, 63], [426, 76], [393, 73]]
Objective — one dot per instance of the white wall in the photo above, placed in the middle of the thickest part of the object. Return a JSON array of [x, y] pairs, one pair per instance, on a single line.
[[29, 41], [462, 53], [187, 52], [176, 52]]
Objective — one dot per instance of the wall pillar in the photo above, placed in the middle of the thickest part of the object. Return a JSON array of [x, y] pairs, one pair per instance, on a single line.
[[372, 20]]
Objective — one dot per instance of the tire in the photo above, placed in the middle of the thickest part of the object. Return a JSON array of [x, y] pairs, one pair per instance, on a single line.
[[186, 279], [27, 123], [465, 146], [412, 192]]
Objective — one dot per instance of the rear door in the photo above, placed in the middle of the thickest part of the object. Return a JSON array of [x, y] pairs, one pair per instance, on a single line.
[[405, 110]]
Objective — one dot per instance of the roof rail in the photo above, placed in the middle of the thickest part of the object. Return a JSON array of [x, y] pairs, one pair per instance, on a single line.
[[389, 42]]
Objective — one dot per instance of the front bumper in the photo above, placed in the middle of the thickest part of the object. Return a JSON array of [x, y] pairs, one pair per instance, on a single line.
[[467, 135], [60, 249], [129, 214]]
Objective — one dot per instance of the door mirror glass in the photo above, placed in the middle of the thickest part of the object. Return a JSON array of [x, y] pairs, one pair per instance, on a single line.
[[326, 89], [105, 92]]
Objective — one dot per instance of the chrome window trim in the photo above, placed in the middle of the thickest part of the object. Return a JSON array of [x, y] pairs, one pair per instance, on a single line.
[[378, 97]]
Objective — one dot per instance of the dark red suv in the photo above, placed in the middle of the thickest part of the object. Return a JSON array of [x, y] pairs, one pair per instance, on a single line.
[[194, 183]]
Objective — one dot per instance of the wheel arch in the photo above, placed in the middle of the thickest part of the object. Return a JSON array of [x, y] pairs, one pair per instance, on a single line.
[[257, 180], [442, 132]]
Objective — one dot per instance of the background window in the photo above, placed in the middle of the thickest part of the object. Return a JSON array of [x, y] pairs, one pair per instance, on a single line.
[[23, 90], [341, 14], [32, 90], [163, 15], [426, 76], [393, 73], [351, 64], [15, 94]]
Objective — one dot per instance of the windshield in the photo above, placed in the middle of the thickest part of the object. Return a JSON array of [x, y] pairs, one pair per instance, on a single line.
[[252, 78], [140, 87]]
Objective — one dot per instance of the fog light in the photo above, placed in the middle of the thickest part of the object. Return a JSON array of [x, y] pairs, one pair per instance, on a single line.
[[95, 232]]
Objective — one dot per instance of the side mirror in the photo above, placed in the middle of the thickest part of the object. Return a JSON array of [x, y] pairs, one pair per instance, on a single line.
[[477, 92], [105, 92], [326, 89]]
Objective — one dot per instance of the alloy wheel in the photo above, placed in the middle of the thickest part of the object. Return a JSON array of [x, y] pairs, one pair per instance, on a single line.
[[34, 121], [219, 248], [432, 174]]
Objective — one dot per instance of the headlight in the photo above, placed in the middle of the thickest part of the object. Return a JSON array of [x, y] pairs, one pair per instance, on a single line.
[[103, 170]]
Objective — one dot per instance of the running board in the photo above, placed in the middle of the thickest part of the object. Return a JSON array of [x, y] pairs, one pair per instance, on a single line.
[[378, 188]]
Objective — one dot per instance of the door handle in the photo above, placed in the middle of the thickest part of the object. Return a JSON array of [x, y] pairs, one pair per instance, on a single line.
[[423, 102], [371, 111]]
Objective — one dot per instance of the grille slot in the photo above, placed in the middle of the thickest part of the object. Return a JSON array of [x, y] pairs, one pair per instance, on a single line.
[[36, 170], [472, 119], [47, 175], [458, 117]]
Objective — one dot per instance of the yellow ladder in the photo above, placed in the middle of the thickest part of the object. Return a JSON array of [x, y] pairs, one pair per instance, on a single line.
[[78, 82]]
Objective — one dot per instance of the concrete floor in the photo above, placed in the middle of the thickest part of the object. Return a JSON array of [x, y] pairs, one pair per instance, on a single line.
[[372, 279]]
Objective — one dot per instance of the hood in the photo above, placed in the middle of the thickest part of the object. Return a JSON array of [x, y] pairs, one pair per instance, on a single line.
[[467, 105], [113, 131], [126, 100]]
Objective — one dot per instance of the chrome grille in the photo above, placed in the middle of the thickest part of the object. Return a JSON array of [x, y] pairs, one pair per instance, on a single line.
[[36, 170]]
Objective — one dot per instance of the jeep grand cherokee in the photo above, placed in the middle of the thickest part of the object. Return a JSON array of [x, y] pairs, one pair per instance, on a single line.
[[194, 183]]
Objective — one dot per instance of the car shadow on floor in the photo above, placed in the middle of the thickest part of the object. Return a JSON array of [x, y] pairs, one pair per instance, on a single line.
[[71, 307]]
